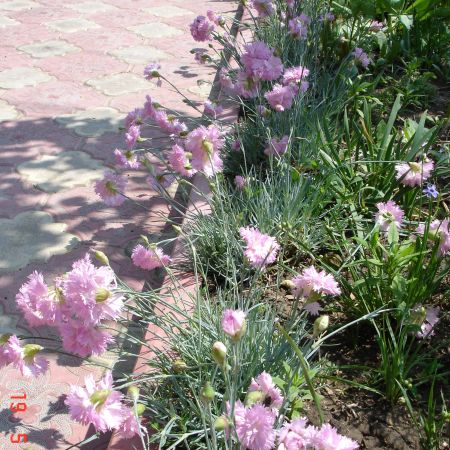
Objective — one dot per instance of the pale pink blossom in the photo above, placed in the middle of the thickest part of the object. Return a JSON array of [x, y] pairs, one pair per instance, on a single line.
[[225, 80], [38, 302], [169, 123], [261, 249], [255, 429], [130, 425], [388, 213], [201, 29], [151, 71], [205, 143], [84, 340], [246, 86], [280, 97], [111, 188], [431, 319], [179, 161], [440, 229], [27, 358], [296, 76], [126, 160], [298, 26], [240, 182], [272, 394], [135, 117], [160, 179], [212, 109], [311, 281], [260, 62], [233, 323], [327, 438], [149, 258], [215, 18], [10, 349], [264, 8], [296, 435], [97, 404], [361, 56], [132, 135], [414, 173], [277, 147], [375, 25]]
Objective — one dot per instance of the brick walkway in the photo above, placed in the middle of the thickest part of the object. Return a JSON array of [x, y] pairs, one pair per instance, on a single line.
[[69, 72]]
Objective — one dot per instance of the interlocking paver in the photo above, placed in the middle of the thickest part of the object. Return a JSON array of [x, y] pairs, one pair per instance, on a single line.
[[139, 54], [156, 30], [18, 5], [54, 47], [72, 25], [167, 11], [91, 7], [7, 22], [22, 76], [119, 84]]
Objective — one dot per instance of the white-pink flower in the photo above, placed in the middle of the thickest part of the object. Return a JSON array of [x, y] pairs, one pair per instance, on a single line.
[[111, 188], [240, 182], [261, 249], [414, 173], [179, 161], [296, 435], [233, 323], [388, 213], [327, 438], [255, 428], [264, 8], [277, 147], [201, 29], [431, 319], [260, 62], [272, 394], [281, 97], [149, 258], [26, 358], [126, 160], [361, 57], [440, 229], [130, 425]]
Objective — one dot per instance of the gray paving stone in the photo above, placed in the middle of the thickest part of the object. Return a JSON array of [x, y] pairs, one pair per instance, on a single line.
[[156, 30], [167, 11], [71, 25], [91, 7], [22, 76], [139, 54], [119, 84], [18, 5], [53, 47]]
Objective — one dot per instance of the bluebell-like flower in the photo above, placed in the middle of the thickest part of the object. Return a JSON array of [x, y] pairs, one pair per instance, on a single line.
[[430, 191]]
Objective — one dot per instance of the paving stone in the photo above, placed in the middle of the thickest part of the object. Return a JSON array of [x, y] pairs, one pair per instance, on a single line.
[[71, 25], [22, 76], [155, 30], [7, 22], [202, 90], [18, 5], [54, 173], [8, 112], [167, 11], [32, 236], [92, 122], [119, 84], [91, 7], [54, 47], [139, 54]]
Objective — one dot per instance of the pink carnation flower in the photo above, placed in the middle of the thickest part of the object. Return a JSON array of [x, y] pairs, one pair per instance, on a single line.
[[255, 428], [212, 109], [441, 230], [97, 404], [135, 117], [225, 80], [151, 71], [260, 62], [263, 382], [205, 144], [10, 349], [126, 160], [201, 29], [361, 56], [132, 135], [280, 97], [264, 8], [84, 340], [233, 323], [27, 358], [328, 438], [130, 425], [431, 319], [39, 304], [160, 179], [179, 161], [298, 26], [246, 86], [215, 18], [149, 258], [111, 188], [296, 435], [389, 213], [376, 26], [277, 147], [169, 123], [261, 249], [295, 76], [414, 173], [240, 182]]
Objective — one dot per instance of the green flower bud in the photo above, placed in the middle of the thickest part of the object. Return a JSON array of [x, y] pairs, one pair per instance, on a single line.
[[221, 423], [179, 366], [207, 393], [99, 397], [254, 397], [208, 147], [140, 409], [101, 257], [418, 316], [133, 392], [320, 325], [30, 350], [219, 353], [101, 295], [4, 338]]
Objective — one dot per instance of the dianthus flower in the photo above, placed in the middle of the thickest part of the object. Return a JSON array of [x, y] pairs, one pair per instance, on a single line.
[[272, 394], [151, 71], [246, 86], [298, 26], [376, 26], [149, 258], [277, 146], [255, 428], [160, 179], [233, 323], [280, 97], [126, 160], [111, 188], [84, 339], [225, 80], [431, 319], [264, 8], [169, 123], [296, 435], [179, 161], [201, 29], [261, 249], [240, 182], [260, 62], [97, 404], [327, 438], [204, 143], [201, 56], [132, 135], [135, 117], [212, 108], [215, 18], [38, 302], [414, 173], [26, 358], [130, 425], [361, 56], [295, 76], [388, 213], [441, 230]]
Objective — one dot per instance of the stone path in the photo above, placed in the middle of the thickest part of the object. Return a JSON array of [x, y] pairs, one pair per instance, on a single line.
[[69, 72]]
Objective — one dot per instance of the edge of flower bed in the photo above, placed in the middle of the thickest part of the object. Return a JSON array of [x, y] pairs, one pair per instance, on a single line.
[[195, 203]]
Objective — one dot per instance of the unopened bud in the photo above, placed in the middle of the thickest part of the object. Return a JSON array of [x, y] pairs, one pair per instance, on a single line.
[[179, 366], [320, 325], [101, 257], [221, 423], [177, 229], [133, 392], [207, 393], [208, 147], [254, 397], [4, 338], [140, 409], [219, 353], [101, 295]]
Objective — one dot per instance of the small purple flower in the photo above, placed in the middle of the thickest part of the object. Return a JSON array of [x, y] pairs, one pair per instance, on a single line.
[[430, 191]]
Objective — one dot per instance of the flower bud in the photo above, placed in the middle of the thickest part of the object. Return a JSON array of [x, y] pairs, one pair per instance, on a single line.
[[320, 325], [133, 392], [179, 366], [101, 295], [99, 397], [4, 338], [177, 229], [207, 393], [254, 397], [101, 257], [234, 323], [221, 423], [30, 350], [140, 409], [219, 353]]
